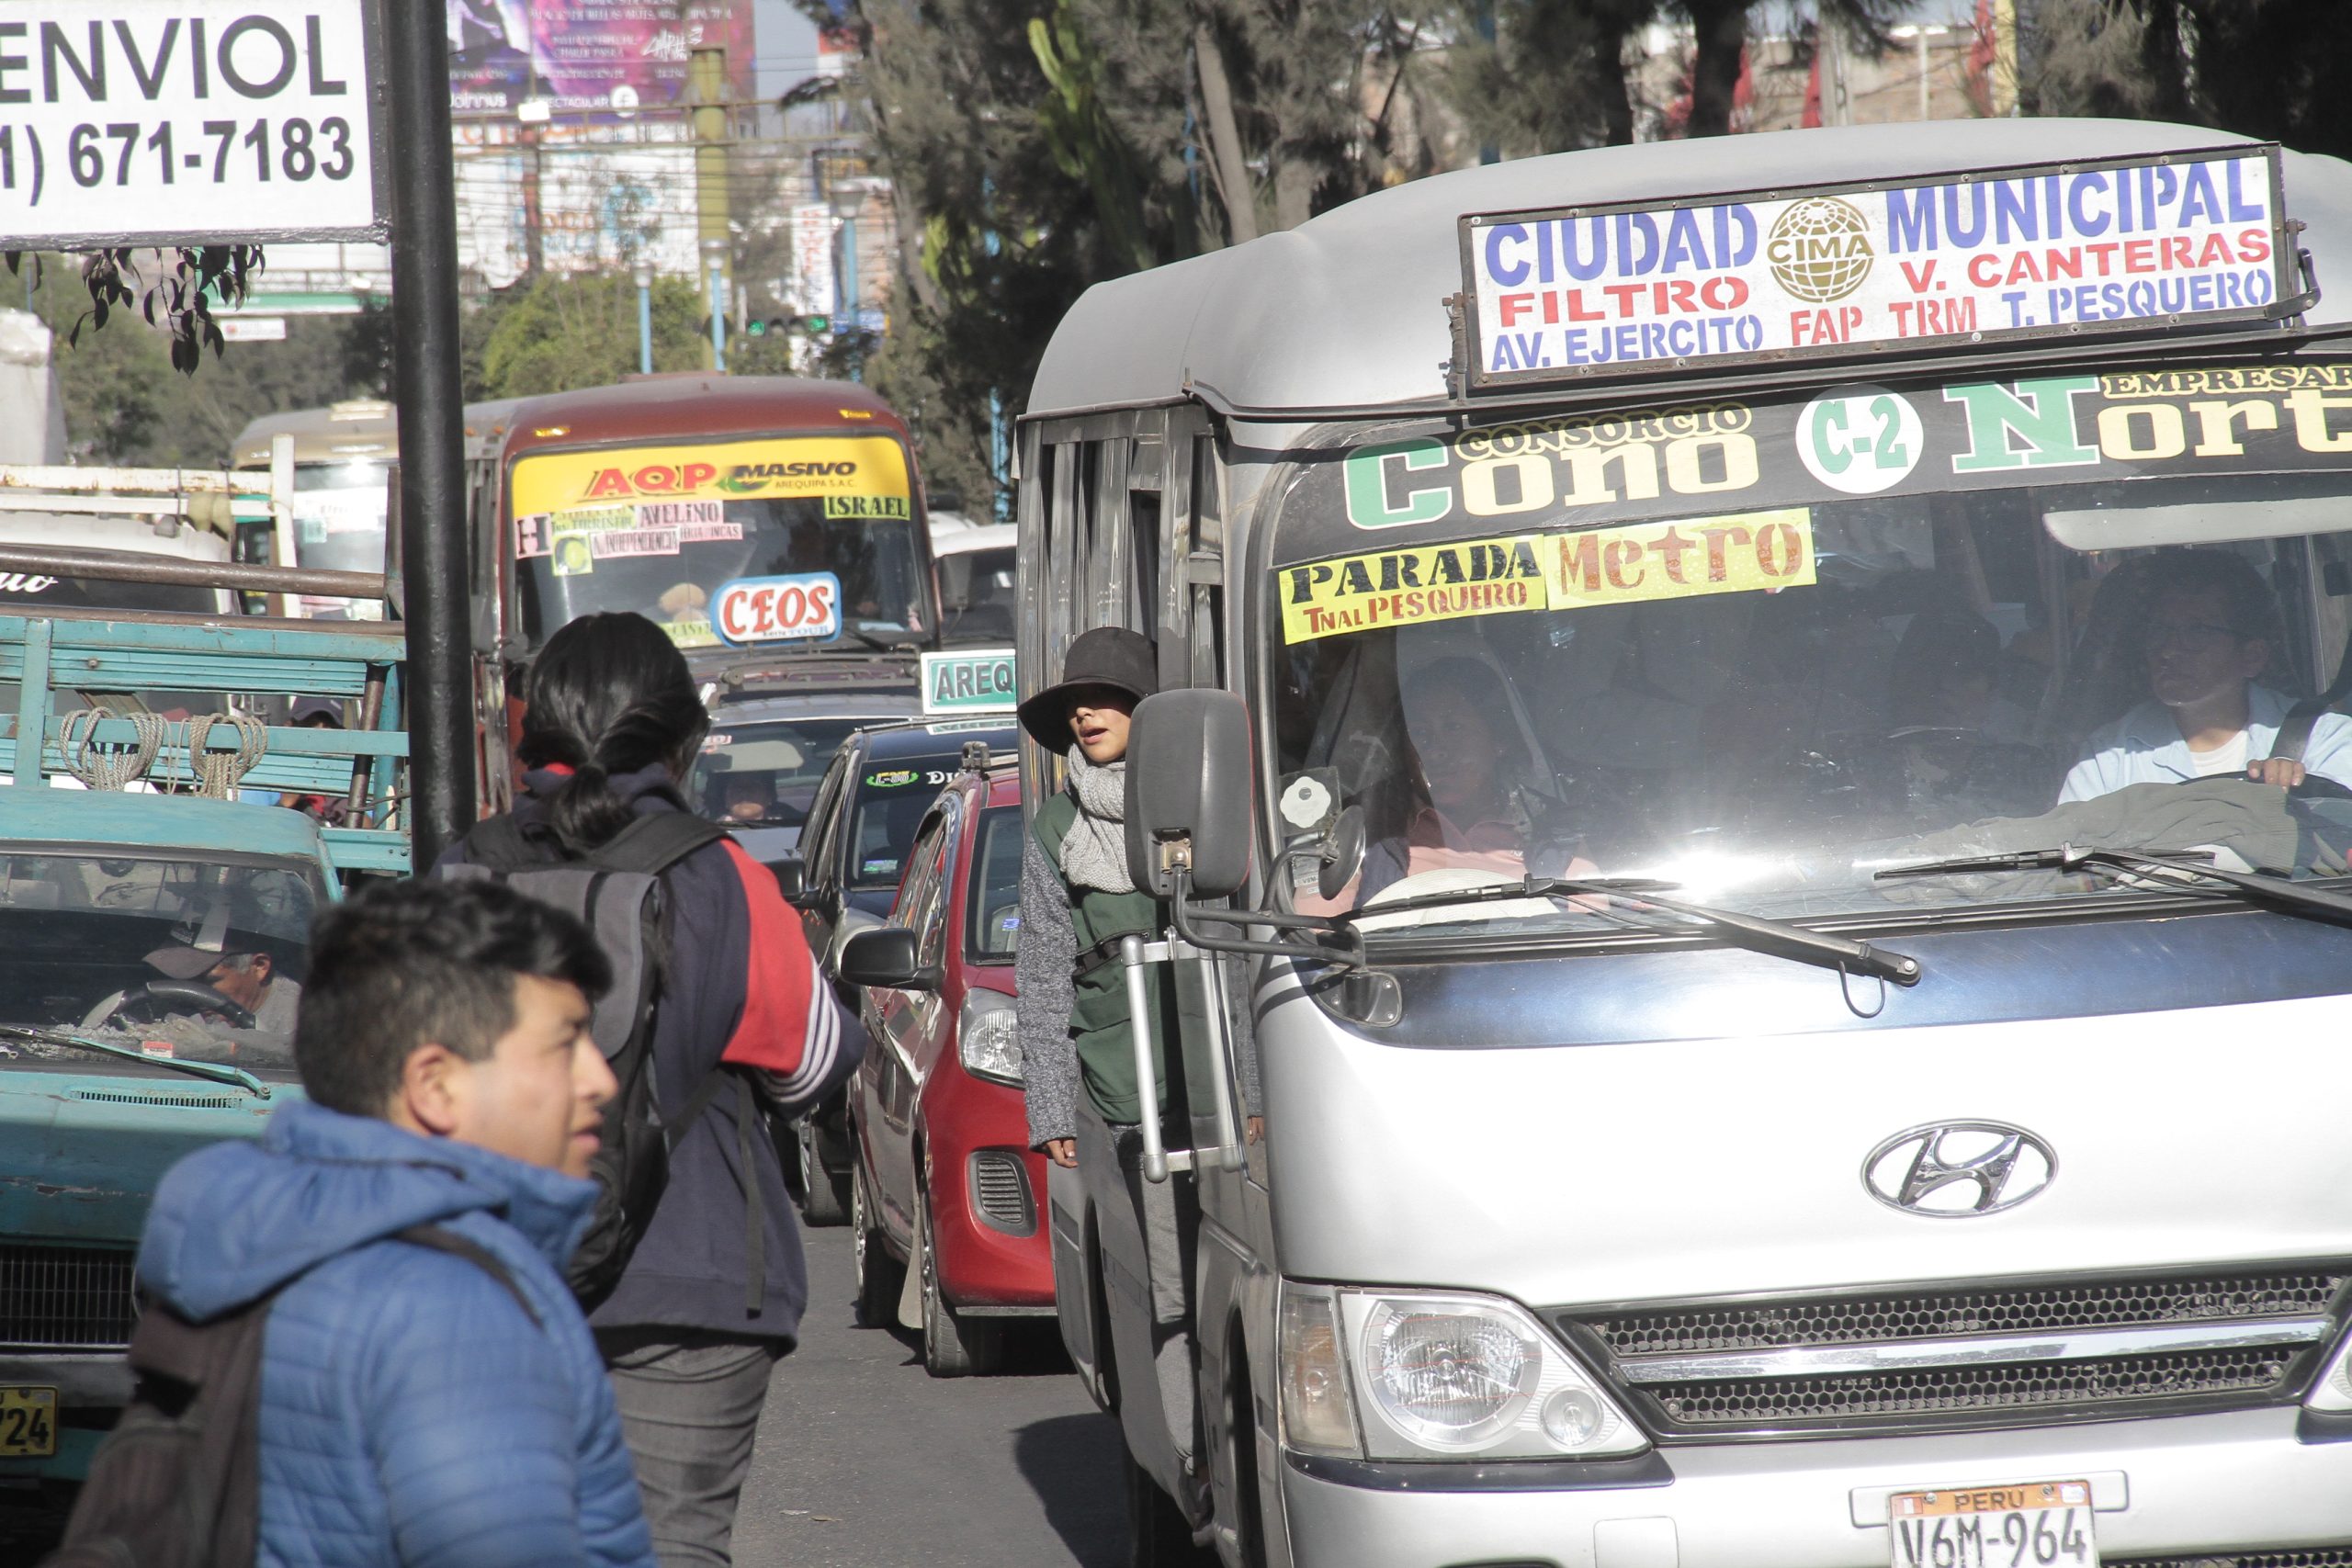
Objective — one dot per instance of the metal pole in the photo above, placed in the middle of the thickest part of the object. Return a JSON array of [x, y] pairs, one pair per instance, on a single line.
[[432, 434], [717, 291], [1487, 152], [645, 320], [849, 272]]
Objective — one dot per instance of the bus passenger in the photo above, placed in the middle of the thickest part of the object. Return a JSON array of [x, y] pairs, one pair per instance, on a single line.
[[2203, 642]]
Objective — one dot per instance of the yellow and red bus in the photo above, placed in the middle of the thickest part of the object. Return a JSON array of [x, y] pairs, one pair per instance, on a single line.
[[754, 518]]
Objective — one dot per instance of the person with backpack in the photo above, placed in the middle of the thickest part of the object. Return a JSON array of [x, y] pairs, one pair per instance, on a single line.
[[693, 1273], [358, 1347]]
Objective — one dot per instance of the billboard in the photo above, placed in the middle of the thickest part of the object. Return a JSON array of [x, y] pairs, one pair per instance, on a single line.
[[577, 53]]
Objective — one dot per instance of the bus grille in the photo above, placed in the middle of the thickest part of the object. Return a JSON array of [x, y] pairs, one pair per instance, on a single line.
[[1001, 1192], [65, 1296], [2250, 1557], [1980, 1356], [2023, 1389], [2029, 1309]]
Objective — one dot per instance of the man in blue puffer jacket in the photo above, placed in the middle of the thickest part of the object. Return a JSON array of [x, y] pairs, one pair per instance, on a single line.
[[412, 1411]]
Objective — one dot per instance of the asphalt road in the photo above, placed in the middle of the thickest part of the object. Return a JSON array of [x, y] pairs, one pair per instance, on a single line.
[[867, 1461]]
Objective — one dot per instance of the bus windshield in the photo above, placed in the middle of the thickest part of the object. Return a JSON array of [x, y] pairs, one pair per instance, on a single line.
[[1766, 653], [806, 542]]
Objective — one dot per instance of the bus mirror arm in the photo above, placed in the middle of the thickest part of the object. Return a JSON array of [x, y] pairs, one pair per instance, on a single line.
[[1335, 944]]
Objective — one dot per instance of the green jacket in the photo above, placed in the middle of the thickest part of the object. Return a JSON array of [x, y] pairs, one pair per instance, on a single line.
[[1099, 1016]]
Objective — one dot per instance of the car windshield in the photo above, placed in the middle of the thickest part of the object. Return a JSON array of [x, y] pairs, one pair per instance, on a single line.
[[1766, 653], [765, 774], [992, 923], [891, 799], [196, 958], [791, 543]]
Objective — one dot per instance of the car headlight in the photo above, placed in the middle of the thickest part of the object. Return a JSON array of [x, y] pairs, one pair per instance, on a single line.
[[1437, 1375], [2334, 1389], [987, 1037]]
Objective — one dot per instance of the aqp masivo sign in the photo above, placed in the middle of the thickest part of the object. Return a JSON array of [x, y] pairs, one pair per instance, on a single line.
[[178, 122], [2079, 249]]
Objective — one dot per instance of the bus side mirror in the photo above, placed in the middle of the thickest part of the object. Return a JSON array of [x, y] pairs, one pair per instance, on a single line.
[[1189, 777], [791, 879]]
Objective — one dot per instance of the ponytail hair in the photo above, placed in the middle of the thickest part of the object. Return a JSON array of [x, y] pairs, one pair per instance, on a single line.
[[610, 693]]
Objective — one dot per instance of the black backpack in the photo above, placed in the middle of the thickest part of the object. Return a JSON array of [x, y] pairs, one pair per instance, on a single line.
[[617, 893], [178, 1482]]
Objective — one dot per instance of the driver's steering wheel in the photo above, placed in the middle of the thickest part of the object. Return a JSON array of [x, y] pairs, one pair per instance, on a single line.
[[2319, 787], [2315, 786], [175, 996]]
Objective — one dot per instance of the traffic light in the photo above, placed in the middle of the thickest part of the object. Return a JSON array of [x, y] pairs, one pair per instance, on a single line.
[[816, 327], [756, 327]]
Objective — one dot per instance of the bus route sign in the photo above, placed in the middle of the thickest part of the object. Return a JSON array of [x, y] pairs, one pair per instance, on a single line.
[[2088, 249], [188, 122]]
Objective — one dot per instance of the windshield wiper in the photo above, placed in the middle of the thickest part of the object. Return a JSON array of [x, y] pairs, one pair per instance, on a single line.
[[2276, 892], [218, 1072], [1750, 931]]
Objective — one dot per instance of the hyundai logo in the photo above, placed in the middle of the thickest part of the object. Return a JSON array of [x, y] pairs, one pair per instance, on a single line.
[[1950, 1170]]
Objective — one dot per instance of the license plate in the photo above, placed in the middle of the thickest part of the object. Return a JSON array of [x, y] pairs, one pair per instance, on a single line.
[[2041, 1524], [28, 1422]]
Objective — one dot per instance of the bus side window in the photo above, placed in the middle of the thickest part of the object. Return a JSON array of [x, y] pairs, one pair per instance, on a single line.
[[1203, 572], [1107, 537]]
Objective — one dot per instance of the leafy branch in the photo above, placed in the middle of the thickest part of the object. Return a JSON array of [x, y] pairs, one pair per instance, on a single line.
[[190, 281]]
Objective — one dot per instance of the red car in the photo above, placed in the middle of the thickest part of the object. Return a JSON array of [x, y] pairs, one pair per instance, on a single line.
[[946, 1197]]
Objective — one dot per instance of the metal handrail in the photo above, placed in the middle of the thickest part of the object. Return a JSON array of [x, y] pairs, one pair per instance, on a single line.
[[121, 566]]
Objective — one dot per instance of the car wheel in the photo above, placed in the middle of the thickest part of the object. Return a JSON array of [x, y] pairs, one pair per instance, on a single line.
[[879, 1276], [824, 1197], [953, 1345]]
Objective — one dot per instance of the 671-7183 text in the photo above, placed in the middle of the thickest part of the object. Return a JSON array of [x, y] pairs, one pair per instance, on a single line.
[[123, 154]]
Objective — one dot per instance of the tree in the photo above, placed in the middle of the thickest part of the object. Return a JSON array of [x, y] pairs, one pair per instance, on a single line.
[[1553, 78], [2276, 69], [124, 405], [553, 334], [187, 282]]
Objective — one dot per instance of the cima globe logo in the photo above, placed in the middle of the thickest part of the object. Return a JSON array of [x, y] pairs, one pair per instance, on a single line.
[[1820, 250]]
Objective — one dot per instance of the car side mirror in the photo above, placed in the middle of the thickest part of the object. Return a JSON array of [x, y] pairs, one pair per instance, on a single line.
[[885, 957], [791, 879], [1189, 793]]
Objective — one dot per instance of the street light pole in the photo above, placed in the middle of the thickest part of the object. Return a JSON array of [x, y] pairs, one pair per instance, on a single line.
[[435, 600], [714, 255], [644, 320]]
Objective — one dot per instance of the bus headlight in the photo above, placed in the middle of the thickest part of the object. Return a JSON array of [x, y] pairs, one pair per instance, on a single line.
[[1439, 1375], [988, 1040]]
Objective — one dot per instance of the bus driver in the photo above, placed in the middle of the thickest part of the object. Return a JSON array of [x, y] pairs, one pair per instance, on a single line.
[[2204, 640]]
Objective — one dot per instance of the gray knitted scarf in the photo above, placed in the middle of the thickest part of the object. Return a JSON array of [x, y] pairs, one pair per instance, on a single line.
[[1095, 852]]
